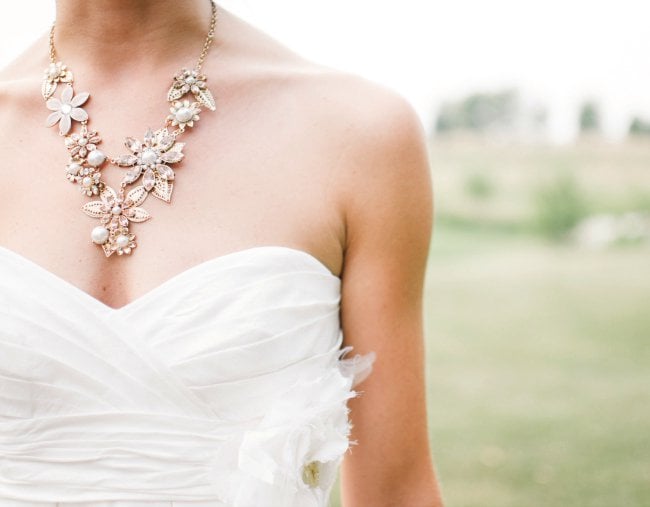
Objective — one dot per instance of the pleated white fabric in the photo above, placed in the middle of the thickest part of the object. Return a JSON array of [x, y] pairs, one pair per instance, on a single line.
[[224, 386]]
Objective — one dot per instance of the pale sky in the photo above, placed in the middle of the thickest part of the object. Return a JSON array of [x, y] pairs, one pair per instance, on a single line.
[[557, 52]]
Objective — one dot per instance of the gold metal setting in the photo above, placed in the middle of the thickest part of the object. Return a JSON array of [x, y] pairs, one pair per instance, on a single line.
[[150, 158]]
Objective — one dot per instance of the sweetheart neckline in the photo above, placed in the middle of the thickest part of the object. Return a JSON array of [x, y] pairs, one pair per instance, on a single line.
[[169, 281]]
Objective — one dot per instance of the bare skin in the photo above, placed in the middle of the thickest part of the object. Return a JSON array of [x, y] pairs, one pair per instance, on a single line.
[[297, 154]]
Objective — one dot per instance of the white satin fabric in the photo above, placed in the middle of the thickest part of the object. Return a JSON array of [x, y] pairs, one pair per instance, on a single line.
[[218, 388]]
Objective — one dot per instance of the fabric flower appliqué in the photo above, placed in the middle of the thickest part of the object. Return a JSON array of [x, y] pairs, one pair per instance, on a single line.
[[66, 109], [292, 455], [151, 158]]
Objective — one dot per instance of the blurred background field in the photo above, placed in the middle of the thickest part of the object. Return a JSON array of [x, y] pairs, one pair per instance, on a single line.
[[538, 337]]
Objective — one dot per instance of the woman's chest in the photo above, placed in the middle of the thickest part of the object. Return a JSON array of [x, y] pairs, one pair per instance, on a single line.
[[238, 183]]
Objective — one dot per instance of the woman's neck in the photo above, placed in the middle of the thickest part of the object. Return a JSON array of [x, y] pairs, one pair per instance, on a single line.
[[118, 35]]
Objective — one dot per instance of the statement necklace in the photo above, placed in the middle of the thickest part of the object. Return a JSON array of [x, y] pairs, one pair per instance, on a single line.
[[149, 158]]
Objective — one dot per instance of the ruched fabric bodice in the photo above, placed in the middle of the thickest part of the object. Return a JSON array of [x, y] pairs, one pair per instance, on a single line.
[[227, 385]]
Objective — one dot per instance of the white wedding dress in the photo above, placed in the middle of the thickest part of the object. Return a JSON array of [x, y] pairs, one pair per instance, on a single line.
[[224, 386]]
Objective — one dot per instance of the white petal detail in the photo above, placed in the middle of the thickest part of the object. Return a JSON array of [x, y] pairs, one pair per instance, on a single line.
[[64, 124], [79, 99], [53, 118], [66, 94], [78, 114], [53, 104]]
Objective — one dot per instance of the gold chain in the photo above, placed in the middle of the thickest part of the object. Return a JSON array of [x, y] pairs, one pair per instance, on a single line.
[[52, 51], [210, 36], [204, 52]]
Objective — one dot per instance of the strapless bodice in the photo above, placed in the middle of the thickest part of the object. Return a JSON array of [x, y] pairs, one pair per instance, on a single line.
[[227, 385]]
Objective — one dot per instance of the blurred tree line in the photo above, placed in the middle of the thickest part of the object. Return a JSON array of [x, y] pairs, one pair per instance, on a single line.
[[479, 112], [503, 112], [485, 112]]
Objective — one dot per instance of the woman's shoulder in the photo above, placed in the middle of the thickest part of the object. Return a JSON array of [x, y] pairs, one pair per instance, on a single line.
[[20, 76], [321, 92], [373, 126]]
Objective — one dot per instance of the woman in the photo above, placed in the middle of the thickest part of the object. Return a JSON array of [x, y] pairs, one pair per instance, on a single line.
[[187, 360]]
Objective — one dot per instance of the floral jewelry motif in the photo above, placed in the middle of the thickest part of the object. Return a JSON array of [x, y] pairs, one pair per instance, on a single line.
[[159, 148], [115, 212], [80, 144], [191, 81], [88, 178], [54, 74], [184, 114], [66, 109], [149, 157], [121, 241]]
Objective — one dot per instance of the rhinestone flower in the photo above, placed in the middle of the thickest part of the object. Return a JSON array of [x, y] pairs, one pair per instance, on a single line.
[[115, 213], [58, 72], [66, 109], [55, 73], [151, 158], [121, 241], [184, 114], [191, 81], [88, 178], [80, 144]]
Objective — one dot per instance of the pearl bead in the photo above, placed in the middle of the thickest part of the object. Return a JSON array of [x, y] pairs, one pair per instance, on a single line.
[[99, 235], [82, 142], [74, 168], [190, 80], [149, 157], [66, 108], [116, 210], [122, 240], [184, 114], [96, 158], [87, 181]]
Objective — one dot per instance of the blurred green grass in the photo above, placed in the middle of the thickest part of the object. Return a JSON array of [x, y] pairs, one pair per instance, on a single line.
[[537, 370], [538, 377]]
